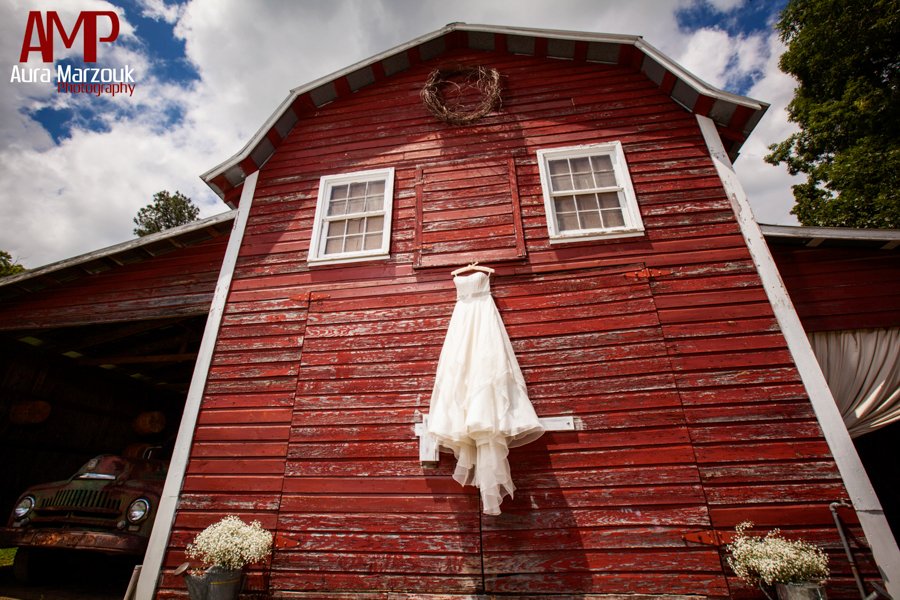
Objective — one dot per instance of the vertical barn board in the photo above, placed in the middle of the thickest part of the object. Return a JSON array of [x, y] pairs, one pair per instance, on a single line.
[[359, 512], [601, 509]]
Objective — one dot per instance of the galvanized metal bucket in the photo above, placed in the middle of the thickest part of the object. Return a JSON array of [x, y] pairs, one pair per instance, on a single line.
[[216, 583], [800, 591]]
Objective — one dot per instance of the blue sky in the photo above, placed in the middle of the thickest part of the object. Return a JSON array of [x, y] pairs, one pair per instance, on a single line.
[[209, 72]]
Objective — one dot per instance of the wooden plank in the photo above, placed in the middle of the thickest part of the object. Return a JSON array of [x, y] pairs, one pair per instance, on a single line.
[[690, 414]]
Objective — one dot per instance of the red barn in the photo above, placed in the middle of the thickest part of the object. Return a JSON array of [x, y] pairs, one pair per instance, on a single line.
[[641, 300]]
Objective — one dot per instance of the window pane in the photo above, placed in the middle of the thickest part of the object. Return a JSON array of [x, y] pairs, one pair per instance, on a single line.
[[337, 207], [353, 243], [601, 163], [376, 188], [333, 245], [558, 167], [567, 221], [561, 183], [609, 200], [356, 205], [355, 225], [335, 229], [586, 202], [373, 241], [375, 225], [591, 220], [580, 165], [357, 190], [338, 192], [583, 181], [374, 203], [613, 218], [565, 204], [605, 179]]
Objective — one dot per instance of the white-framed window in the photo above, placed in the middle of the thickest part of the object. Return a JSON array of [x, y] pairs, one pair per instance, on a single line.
[[353, 217], [588, 193]]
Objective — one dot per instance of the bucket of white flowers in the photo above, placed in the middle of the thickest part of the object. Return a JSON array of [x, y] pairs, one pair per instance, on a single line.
[[797, 570], [224, 549]]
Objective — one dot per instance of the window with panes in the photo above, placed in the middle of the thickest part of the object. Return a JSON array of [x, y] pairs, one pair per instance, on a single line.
[[353, 217], [588, 193]]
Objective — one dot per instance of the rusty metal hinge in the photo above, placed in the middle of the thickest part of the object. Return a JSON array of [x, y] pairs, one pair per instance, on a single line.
[[646, 273]]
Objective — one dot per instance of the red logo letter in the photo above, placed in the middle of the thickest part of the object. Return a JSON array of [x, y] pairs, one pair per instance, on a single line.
[[45, 34], [45, 44]]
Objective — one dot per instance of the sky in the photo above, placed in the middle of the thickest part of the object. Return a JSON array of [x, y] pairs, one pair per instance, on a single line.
[[208, 73]]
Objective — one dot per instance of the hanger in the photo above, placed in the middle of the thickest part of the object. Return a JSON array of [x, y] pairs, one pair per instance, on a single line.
[[472, 267]]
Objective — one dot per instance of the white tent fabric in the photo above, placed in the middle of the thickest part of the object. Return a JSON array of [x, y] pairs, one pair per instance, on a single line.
[[862, 368]]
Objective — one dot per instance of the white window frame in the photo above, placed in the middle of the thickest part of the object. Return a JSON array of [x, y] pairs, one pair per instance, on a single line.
[[317, 242], [631, 214]]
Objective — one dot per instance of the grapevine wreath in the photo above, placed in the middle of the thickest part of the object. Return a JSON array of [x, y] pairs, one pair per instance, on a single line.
[[445, 89]]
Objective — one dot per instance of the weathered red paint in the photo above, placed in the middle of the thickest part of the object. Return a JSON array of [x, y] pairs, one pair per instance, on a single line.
[[691, 414], [180, 282], [838, 288]]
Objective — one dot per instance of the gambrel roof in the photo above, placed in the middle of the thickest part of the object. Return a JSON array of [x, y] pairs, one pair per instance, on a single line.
[[734, 115]]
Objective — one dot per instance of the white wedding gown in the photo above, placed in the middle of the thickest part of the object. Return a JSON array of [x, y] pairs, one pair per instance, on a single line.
[[479, 405]]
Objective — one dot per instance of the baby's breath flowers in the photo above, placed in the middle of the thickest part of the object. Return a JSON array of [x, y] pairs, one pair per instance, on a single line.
[[231, 544], [773, 559]]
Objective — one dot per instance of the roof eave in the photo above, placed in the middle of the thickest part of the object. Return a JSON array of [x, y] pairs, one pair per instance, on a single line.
[[109, 254], [886, 239]]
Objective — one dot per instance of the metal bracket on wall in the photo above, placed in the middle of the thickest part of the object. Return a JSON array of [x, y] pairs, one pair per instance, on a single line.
[[428, 446]]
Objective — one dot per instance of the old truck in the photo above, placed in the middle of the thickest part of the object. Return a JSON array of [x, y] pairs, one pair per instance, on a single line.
[[107, 506]]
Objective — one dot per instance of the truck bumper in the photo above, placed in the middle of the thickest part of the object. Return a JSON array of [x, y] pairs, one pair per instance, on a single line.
[[90, 541]]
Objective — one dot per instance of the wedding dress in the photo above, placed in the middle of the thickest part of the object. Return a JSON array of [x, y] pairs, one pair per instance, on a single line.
[[479, 405]]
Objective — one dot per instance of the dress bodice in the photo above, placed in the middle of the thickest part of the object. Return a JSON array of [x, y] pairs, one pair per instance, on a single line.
[[476, 285]]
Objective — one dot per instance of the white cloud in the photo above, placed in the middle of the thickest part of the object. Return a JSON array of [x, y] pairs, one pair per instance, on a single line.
[[725, 6], [708, 54], [159, 10], [79, 195]]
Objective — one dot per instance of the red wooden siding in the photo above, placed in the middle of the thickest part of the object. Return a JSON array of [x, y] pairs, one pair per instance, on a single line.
[[691, 414], [240, 444], [837, 288], [178, 283]]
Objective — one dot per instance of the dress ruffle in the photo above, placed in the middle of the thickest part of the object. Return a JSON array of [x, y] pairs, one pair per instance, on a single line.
[[479, 405]]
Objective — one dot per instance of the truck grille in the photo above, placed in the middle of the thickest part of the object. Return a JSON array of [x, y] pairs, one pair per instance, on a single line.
[[80, 500]]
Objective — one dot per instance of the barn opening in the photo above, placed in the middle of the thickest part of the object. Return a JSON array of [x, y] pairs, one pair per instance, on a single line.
[[97, 353]]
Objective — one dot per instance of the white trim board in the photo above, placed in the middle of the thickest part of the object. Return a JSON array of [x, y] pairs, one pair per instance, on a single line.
[[865, 502], [165, 512]]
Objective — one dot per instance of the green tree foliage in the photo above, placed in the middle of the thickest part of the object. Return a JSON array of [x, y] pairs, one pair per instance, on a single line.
[[166, 211], [8, 266], [845, 55]]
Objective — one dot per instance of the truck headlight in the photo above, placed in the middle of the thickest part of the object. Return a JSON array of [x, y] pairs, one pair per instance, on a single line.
[[24, 507], [138, 510]]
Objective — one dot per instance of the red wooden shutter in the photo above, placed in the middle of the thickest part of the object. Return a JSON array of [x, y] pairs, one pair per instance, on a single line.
[[468, 211]]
